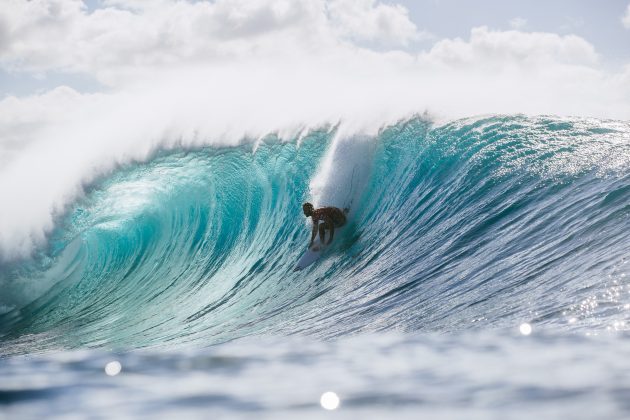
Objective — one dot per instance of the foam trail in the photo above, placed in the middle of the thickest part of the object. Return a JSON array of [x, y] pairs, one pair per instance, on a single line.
[[344, 172]]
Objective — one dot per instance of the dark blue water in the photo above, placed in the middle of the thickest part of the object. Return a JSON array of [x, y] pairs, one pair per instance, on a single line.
[[181, 268]]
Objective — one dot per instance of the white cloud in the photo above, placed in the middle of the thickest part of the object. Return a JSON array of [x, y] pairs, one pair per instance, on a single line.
[[59, 34], [626, 19], [518, 23], [190, 73], [364, 20], [505, 48]]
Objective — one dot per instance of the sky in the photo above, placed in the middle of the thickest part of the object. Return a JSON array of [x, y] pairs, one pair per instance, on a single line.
[[87, 86], [599, 22], [605, 25]]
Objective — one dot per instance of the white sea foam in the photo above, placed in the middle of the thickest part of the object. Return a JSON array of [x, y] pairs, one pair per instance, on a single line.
[[343, 172]]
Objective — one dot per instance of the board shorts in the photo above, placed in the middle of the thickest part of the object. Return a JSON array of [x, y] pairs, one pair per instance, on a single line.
[[339, 219]]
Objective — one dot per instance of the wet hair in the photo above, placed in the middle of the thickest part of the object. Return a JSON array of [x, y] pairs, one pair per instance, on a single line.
[[307, 206]]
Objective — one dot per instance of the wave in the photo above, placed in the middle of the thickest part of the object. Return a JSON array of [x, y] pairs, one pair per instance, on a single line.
[[482, 222]]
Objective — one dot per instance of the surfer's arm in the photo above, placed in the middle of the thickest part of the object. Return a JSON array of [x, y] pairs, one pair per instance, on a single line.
[[313, 234], [331, 227]]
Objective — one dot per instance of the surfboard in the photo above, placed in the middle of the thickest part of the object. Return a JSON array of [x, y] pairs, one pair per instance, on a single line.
[[310, 255], [313, 253]]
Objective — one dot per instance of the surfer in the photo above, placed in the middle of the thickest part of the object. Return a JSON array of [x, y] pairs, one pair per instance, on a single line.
[[324, 218]]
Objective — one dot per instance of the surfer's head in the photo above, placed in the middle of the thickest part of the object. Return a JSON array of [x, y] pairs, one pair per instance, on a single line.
[[307, 208]]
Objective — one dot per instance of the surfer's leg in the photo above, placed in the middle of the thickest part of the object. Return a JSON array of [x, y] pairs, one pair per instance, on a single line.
[[340, 219], [322, 232]]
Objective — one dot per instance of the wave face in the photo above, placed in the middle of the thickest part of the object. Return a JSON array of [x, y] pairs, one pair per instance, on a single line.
[[481, 223]]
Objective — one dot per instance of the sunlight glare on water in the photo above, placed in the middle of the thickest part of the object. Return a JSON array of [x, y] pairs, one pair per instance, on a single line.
[[525, 328], [329, 400], [113, 368]]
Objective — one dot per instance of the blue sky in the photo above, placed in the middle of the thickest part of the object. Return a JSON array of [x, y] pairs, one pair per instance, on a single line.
[[599, 22]]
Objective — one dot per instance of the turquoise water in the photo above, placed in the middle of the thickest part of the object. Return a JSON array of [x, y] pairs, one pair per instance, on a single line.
[[458, 234]]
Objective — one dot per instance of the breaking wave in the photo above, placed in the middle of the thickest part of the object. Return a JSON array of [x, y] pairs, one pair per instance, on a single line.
[[478, 223]]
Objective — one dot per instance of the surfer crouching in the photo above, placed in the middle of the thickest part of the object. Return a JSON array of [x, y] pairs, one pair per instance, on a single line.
[[324, 218]]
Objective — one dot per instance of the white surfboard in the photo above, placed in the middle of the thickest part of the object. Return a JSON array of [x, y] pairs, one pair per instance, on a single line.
[[310, 255], [313, 253]]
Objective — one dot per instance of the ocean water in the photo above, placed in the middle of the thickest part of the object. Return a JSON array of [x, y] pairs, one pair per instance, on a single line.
[[483, 274]]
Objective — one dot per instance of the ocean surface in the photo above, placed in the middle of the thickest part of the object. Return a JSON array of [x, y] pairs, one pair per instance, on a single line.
[[483, 273]]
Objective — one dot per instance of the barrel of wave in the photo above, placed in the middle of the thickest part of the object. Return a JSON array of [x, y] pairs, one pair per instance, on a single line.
[[343, 173]]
